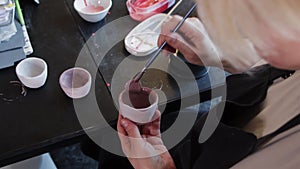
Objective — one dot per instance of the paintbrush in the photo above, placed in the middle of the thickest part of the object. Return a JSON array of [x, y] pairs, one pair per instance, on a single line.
[[139, 75], [28, 47]]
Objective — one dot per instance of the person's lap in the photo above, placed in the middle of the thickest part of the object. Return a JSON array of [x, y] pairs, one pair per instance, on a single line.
[[109, 160]]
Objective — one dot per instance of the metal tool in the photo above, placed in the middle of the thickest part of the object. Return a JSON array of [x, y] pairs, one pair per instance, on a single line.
[[140, 74]]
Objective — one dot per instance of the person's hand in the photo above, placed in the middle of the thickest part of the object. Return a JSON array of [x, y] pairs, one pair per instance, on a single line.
[[191, 40], [143, 144]]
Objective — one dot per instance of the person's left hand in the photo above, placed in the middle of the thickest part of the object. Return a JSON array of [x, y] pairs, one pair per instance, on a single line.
[[143, 145]]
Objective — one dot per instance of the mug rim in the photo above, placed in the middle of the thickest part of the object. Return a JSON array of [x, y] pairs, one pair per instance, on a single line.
[[76, 6], [141, 109], [73, 69], [44, 64]]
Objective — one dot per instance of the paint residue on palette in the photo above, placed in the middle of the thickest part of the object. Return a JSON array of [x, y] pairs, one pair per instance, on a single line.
[[144, 42], [145, 3], [92, 9]]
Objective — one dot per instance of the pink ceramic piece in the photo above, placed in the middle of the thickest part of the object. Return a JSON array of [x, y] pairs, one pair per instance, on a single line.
[[75, 82]]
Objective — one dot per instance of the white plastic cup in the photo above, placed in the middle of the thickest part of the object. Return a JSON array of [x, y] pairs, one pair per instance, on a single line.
[[140, 116], [76, 82], [32, 72]]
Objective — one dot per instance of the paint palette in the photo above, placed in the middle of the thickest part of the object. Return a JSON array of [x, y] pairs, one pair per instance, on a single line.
[[142, 9], [142, 40]]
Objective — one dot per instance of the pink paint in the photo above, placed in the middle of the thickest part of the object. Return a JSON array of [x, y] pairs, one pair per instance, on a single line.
[[85, 3], [92, 9], [145, 3], [138, 95], [143, 9]]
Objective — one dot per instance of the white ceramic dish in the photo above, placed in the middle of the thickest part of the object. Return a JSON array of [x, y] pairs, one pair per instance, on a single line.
[[32, 72], [92, 16], [75, 82], [140, 116], [142, 40]]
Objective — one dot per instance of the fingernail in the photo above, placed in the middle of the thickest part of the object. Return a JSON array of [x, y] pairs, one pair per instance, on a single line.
[[124, 123]]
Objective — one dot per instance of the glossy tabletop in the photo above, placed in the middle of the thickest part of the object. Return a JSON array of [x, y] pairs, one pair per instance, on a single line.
[[45, 118]]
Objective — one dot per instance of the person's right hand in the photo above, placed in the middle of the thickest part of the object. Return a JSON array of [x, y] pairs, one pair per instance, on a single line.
[[191, 40]]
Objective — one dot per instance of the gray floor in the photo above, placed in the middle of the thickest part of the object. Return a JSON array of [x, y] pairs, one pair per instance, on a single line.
[[71, 157]]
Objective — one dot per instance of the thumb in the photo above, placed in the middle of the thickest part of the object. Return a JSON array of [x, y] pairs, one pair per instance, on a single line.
[[130, 128]]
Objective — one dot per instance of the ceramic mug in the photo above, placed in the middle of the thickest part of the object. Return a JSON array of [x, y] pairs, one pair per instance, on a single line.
[[75, 82], [32, 72], [140, 116], [92, 16]]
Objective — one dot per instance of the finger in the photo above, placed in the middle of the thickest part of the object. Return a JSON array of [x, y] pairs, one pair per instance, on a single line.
[[188, 26], [167, 28], [156, 122], [170, 25], [177, 42], [125, 142], [170, 49], [153, 128], [119, 126], [195, 23], [167, 50], [130, 128], [161, 39]]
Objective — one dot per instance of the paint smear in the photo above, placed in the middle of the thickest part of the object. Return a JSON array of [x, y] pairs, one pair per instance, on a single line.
[[138, 95], [92, 9]]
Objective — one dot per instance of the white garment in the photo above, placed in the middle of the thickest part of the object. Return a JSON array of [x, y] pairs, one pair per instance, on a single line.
[[281, 105]]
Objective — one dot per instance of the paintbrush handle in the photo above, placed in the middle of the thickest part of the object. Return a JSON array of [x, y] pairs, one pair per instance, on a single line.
[[19, 12]]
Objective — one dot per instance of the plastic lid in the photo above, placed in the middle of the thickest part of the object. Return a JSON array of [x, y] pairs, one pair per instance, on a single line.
[[4, 2], [6, 17], [142, 40]]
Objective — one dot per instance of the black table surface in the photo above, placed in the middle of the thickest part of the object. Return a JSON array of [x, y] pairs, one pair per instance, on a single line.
[[153, 78], [45, 118]]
